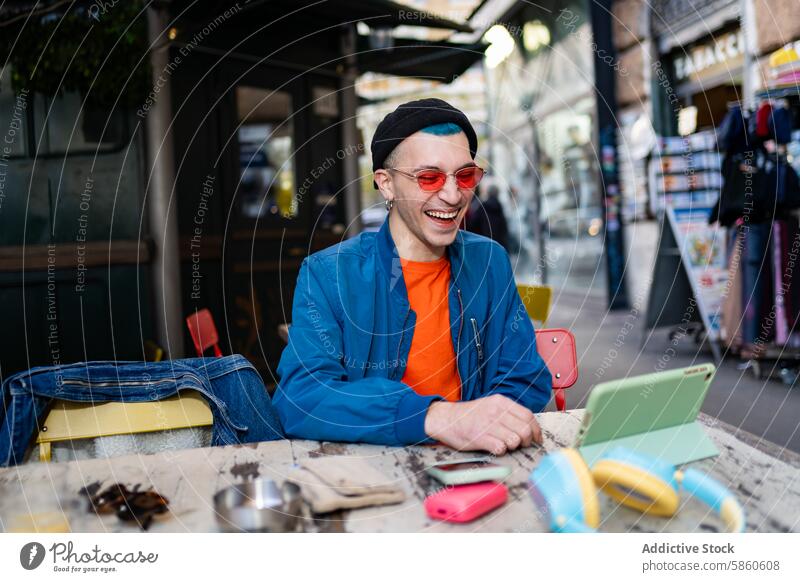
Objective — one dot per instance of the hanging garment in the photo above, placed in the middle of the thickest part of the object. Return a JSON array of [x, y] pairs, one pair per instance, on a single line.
[[785, 250], [761, 191], [778, 246], [732, 132], [756, 285], [787, 187], [730, 204], [731, 312], [763, 115], [781, 125], [791, 269], [742, 194]]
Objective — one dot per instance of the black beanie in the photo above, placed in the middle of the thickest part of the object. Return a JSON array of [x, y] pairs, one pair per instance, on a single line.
[[411, 117]]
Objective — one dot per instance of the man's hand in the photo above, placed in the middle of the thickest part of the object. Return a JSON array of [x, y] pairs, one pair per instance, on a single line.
[[494, 423]]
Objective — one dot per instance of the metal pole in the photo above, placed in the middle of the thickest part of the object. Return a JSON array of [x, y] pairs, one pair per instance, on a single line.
[[161, 182], [487, 95], [538, 231], [749, 63], [352, 175], [605, 96], [536, 188]]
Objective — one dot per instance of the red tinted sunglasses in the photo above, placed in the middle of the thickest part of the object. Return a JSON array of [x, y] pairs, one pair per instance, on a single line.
[[434, 180]]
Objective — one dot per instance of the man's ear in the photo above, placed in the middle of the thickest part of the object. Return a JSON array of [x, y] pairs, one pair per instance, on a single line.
[[384, 182]]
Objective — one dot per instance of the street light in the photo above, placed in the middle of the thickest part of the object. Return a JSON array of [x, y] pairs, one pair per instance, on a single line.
[[535, 35], [501, 45]]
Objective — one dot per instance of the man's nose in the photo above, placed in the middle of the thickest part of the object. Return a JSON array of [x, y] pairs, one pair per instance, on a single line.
[[450, 193]]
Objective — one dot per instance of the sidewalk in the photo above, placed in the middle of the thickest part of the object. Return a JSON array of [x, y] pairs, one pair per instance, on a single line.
[[610, 346]]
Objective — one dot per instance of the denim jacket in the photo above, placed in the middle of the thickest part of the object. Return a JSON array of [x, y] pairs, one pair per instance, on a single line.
[[341, 373], [239, 402]]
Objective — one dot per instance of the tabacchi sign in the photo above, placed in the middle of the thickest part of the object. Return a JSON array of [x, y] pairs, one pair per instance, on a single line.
[[725, 49]]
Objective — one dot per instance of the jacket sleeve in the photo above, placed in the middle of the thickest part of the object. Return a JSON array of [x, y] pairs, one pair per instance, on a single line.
[[521, 373], [315, 400]]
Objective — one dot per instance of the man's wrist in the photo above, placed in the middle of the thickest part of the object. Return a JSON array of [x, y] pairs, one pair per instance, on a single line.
[[436, 419]]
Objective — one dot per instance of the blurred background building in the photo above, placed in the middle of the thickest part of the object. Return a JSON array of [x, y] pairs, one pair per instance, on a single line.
[[173, 156]]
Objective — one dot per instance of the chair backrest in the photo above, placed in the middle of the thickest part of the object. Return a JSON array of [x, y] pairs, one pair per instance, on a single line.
[[557, 349], [68, 421], [537, 300], [203, 332]]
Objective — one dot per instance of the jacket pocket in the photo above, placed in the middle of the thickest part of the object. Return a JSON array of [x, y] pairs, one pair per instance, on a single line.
[[476, 337]]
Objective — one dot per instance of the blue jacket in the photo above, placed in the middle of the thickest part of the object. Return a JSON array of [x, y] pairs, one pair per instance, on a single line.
[[239, 402], [340, 375]]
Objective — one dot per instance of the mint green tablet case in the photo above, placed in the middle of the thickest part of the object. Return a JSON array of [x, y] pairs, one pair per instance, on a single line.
[[655, 414]]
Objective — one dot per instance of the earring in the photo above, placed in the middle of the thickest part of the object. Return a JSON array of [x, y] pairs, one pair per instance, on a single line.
[[389, 204]]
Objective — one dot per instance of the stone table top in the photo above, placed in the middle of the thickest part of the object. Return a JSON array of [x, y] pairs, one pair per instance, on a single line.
[[765, 479]]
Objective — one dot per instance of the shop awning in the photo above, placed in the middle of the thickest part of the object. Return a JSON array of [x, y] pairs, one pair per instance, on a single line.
[[220, 27], [436, 61], [441, 60], [374, 13]]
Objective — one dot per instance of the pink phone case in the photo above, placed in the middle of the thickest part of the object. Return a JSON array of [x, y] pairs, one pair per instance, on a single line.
[[463, 503]]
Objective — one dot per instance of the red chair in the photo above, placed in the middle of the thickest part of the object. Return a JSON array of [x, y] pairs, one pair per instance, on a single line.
[[557, 348], [203, 332]]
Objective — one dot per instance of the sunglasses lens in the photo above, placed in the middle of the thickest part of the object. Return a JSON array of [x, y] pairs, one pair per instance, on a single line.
[[142, 507], [468, 178], [108, 500], [148, 500], [431, 181], [129, 505]]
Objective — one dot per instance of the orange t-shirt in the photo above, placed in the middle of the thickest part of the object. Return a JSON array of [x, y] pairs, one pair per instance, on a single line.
[[432, 368]]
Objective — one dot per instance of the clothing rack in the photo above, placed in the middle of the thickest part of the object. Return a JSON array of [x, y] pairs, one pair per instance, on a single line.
[[760, 318]]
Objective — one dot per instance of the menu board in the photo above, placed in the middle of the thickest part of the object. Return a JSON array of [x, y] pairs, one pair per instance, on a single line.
[[702, 249]]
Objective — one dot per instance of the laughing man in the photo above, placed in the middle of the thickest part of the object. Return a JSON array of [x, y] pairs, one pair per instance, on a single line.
[[416, 333]]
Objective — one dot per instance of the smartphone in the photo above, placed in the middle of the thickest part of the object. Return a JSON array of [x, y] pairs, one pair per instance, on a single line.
[[463, 503], [468, 471]]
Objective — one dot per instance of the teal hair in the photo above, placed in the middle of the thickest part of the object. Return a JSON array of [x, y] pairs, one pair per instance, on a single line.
[[438, 129], [442, 129]]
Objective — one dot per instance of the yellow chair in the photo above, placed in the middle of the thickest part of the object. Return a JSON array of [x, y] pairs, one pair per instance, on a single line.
[[68, 421], [537, 300], [152, 351]]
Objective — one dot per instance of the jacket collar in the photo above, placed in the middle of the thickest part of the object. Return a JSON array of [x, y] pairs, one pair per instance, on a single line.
[[389, 258]]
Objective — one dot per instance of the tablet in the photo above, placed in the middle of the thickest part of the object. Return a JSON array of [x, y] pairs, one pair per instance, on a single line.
[[655, 414]]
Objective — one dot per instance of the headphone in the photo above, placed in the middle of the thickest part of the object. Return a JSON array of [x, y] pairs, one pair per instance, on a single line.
[[564, 488]]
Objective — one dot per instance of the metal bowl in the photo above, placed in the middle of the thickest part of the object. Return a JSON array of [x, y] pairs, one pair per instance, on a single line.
[[259, 506]]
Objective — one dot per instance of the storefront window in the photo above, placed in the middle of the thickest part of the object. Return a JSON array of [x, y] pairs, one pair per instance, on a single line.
[[267, 183], [74, 127], [542, 115], [571, 205], [13, 118], [63, 125]]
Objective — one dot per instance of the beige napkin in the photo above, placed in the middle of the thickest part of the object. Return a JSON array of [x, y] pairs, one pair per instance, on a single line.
[[340, 482]]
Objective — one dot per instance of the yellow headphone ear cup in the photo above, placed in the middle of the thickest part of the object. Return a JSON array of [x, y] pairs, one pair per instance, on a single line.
[[635, 488], [591, 506]]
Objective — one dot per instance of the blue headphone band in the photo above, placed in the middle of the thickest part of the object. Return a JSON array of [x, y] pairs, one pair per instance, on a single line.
[[555, 488], [712, 493], [563, 490], [696, 483]]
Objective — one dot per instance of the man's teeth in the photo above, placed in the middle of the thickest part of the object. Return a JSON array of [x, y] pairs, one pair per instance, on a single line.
[[443, 215]]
